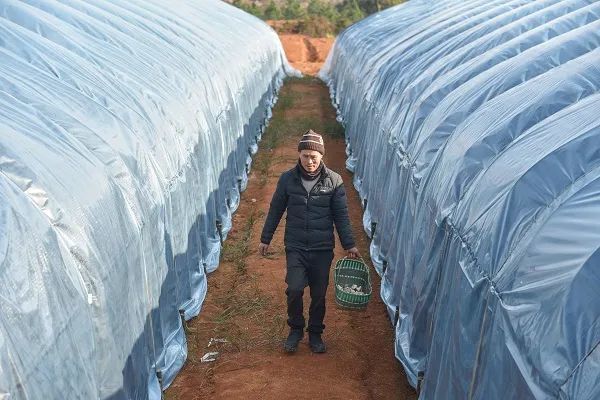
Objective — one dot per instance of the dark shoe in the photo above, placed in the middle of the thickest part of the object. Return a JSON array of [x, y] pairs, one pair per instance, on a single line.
[[291, 343], [316, 343]]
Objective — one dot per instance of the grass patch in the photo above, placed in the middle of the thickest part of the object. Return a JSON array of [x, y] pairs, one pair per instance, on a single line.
[[248, 318], [305, 79], [334, 129], [237, 249], [286, 100], [285, 127], [243, 304]]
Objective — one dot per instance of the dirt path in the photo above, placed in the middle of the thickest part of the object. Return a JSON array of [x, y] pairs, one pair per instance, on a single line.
[[246, 303]]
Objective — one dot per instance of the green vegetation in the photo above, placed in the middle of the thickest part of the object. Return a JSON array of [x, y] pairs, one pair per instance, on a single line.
[[314, 17], [294, 10], [236, 251], [272, 11]]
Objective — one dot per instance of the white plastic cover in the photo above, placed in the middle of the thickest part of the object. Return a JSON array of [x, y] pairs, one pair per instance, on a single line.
[[485, 117], [126, 130]]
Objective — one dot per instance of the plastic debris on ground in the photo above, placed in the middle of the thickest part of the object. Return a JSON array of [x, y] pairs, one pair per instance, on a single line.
[[209, 357], [216, 341]]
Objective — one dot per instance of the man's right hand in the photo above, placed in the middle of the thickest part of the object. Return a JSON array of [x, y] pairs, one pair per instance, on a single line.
[[353, 253], [262, 249]]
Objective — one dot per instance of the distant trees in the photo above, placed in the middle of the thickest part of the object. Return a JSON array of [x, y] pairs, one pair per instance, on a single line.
[[318, 26], [249, 7], [320, 8], [373, 6], [350, 12], [294, 10], [316, 17], [272, 11]]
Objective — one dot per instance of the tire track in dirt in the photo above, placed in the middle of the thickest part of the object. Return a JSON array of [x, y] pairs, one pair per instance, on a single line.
[[313, 53]]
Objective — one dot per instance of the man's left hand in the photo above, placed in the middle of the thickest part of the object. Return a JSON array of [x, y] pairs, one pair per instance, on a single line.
[[353, 253]]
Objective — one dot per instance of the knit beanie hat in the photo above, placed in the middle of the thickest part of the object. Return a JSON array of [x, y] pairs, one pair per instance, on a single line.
[[312, 141]]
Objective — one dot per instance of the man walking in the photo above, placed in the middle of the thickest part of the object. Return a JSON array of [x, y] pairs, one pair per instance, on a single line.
[[315, 199]]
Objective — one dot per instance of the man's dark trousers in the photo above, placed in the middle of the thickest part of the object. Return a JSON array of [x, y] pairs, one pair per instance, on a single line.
[[307, 268]]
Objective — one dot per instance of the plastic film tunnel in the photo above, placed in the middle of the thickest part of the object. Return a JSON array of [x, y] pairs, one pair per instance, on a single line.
[[473, 130], [126, 130]]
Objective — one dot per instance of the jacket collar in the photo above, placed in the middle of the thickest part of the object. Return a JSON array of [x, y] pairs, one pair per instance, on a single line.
[[324, 172]]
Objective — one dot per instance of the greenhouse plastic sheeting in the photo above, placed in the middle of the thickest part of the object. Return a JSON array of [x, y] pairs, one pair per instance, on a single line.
[[485, 117], [126, 130]]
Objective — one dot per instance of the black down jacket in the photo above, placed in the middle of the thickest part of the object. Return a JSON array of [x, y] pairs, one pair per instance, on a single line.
[[310, 216]]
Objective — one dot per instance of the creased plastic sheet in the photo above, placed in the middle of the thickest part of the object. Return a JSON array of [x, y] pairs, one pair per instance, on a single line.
[[126, 130], [485, 117]]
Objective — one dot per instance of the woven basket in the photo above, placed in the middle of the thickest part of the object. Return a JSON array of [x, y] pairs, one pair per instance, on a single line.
[[350, 272]]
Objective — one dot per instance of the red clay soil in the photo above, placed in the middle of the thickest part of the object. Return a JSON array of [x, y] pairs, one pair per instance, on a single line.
[[245, 303], [305, 53]]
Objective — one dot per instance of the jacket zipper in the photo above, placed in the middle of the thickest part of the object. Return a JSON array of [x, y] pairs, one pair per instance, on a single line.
[[306, 215], [307, 201]]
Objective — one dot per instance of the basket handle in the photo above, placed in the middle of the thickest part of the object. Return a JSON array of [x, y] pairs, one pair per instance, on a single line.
[[355, 259]]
